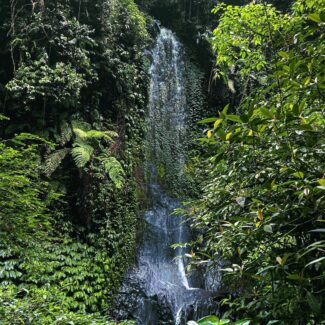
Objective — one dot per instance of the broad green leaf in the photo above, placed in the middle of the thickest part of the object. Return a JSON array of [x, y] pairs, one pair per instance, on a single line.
[[224, 321], [307, 81], [234, 118], [321, 181], [283, 54], [225, 109], [208, 120], [315, 17], [209, 320], [265, 112], [242, 322], [322, 16], [299, 175], [228, 136], [217, 123]]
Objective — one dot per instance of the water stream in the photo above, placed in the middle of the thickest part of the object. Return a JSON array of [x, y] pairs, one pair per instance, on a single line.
[[159, 291]]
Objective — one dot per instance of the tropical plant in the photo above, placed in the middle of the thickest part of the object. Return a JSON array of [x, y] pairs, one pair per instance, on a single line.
[[24, 196], [214, 320], [260, 216], [85, 143], [113, 168], [64, 61], [44, 306]]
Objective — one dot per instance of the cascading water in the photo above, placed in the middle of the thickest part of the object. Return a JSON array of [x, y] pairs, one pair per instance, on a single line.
[[166, 134], [158, 290]]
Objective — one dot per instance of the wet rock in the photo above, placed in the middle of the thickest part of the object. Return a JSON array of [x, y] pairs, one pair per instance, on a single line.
[[133, 303]]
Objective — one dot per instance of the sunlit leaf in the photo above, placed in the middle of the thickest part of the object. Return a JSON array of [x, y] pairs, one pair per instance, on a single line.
[[315, 17], [268, 228]]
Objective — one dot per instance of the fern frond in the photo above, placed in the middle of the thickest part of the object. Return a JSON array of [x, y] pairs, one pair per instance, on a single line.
[[114, 170], [80, 133], [78, 124], [66, 133], [107, 135], [111, 134], [22, 138], [53, 161], [95, 134], [2, 117], [82, 153]]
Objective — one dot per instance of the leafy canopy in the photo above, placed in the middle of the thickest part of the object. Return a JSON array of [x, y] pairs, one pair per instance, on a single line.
[[261, 213]]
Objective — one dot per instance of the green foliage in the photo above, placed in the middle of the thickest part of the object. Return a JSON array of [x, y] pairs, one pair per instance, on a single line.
[[54, 159], [135, 28], [24, 197], [214, 320], [81, 153], [196, 100], [76, 278], [40, 306], [195, 95], [54, 57], [43, 306], [78, 61], [94, 134], [243, 37], [38, 80], [87, 145], [261, 213], [114, 169]]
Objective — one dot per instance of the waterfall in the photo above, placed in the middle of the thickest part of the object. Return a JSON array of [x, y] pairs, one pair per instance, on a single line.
[[165, 142], [167, 110], [163, 291]]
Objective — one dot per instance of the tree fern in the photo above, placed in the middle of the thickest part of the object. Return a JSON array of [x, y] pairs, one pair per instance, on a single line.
[[83, 149], [114, 169], [53, 160], [82, 153]]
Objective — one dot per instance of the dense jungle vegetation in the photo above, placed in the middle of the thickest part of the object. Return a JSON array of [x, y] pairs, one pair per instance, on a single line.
[[74, 80]]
